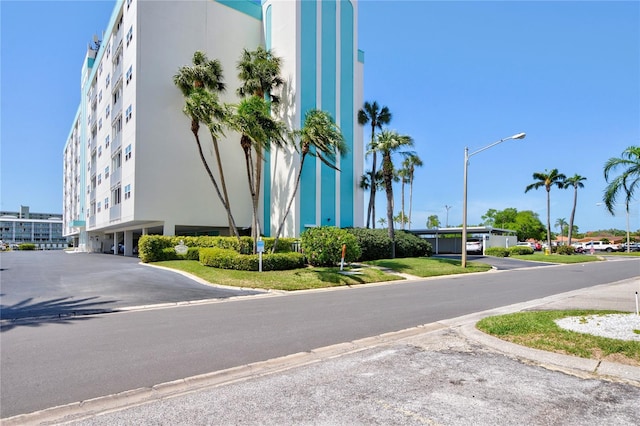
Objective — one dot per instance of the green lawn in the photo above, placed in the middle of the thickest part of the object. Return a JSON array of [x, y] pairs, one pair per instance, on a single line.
[[428, 266], [297, 279], [538, 330], [557, 258]]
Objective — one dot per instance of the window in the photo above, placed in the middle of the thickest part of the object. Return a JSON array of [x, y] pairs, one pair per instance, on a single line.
[[127, 152], [116, 96], [100, 69], [99, 206], [100, 96], [100, 124], [99, 151], [106, 203], [115, 196], [106, 173], [108, 80], [128, 114], [107, 111], [99, 178], [129, 35], [106, 141], [127, 192], [129, 74], [116, 161], [128, 4]]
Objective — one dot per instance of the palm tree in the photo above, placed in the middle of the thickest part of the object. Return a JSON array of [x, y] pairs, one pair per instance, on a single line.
[[388, 143], [403, 176], [409, 164], [576, 182], [321, 132], [259, 131], [561, 223], [628, 182], [259, 73], [200, 84], [547, 180], [382, 221], [376, 116]]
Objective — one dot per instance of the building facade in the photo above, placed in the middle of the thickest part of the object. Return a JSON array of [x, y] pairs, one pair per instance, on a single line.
[[42, 229], [131, 166]]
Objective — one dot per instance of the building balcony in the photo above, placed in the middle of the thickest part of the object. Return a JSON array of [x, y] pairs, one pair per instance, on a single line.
[[115, 176], [92, 195], [116, 143], [92, 221], [114, 213]]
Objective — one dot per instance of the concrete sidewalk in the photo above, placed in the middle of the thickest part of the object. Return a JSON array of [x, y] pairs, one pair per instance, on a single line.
[[440, 373]]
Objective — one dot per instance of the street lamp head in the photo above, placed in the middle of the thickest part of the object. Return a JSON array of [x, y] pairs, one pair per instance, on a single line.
[[518, 136]]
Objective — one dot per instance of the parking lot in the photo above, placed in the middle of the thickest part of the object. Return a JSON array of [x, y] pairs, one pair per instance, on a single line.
[[57, 283]]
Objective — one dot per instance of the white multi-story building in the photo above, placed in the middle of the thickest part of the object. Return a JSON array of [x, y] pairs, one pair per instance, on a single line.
[[130, 162]]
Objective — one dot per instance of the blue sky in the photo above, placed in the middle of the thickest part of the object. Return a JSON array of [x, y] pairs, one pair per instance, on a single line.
[[453, 73]]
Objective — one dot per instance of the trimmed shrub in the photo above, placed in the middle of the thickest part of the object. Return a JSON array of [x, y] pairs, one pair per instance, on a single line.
[[374, 243], [409, 245], [323, 246], [567, 250], [520, 250], [26, 246], [151, 247], [230, 259], [497, 251]]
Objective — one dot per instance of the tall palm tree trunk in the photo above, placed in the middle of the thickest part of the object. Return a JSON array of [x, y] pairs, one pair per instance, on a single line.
[[195, 127], [410, 197], [372, 197], [223, 182], [387, 170], [573, 214], [288, 209], [549, 220], [402, 206]]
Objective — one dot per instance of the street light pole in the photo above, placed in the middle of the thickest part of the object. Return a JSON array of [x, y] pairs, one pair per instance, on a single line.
[[464, 192], [447, 207]]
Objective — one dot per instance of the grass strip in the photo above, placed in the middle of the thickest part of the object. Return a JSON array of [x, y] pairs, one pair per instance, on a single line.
[[296, 279], [537, 329], [428, 266], [557, 258]]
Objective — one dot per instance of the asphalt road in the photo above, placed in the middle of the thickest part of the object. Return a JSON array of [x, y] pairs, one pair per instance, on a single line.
[[46, 283], [47, 363]]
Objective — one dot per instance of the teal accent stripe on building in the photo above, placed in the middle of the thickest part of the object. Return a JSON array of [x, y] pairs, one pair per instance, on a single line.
[[328, 79], [247, 7], [266, 183], [308, 101], [347, 179]]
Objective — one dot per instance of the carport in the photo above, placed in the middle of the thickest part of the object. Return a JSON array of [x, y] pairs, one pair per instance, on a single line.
[[449, 240]]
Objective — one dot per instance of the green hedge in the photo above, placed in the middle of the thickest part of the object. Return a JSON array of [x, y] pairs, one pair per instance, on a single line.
[[151, 248], [230, 259], [497, 251], [26, 246], [374, 243], [409, 245], [568, 250], [520, 250], [323, 246]]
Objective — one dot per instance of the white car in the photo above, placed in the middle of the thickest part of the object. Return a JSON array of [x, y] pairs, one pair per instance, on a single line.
[[532, 246], [474, 247]]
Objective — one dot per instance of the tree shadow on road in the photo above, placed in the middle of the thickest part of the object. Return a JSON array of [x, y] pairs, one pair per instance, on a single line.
[[60, 310]]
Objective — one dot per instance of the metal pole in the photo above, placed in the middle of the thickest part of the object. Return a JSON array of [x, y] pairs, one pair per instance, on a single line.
[[628, 242], [464, 209]]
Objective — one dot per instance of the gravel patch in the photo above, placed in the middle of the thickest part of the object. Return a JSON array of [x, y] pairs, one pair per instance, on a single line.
[[615, 326]]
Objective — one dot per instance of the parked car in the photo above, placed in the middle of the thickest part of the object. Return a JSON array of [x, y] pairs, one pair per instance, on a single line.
[[120, 248], [532, 246], [601, 246], [632, 247], [474, 246], [538, 246]]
